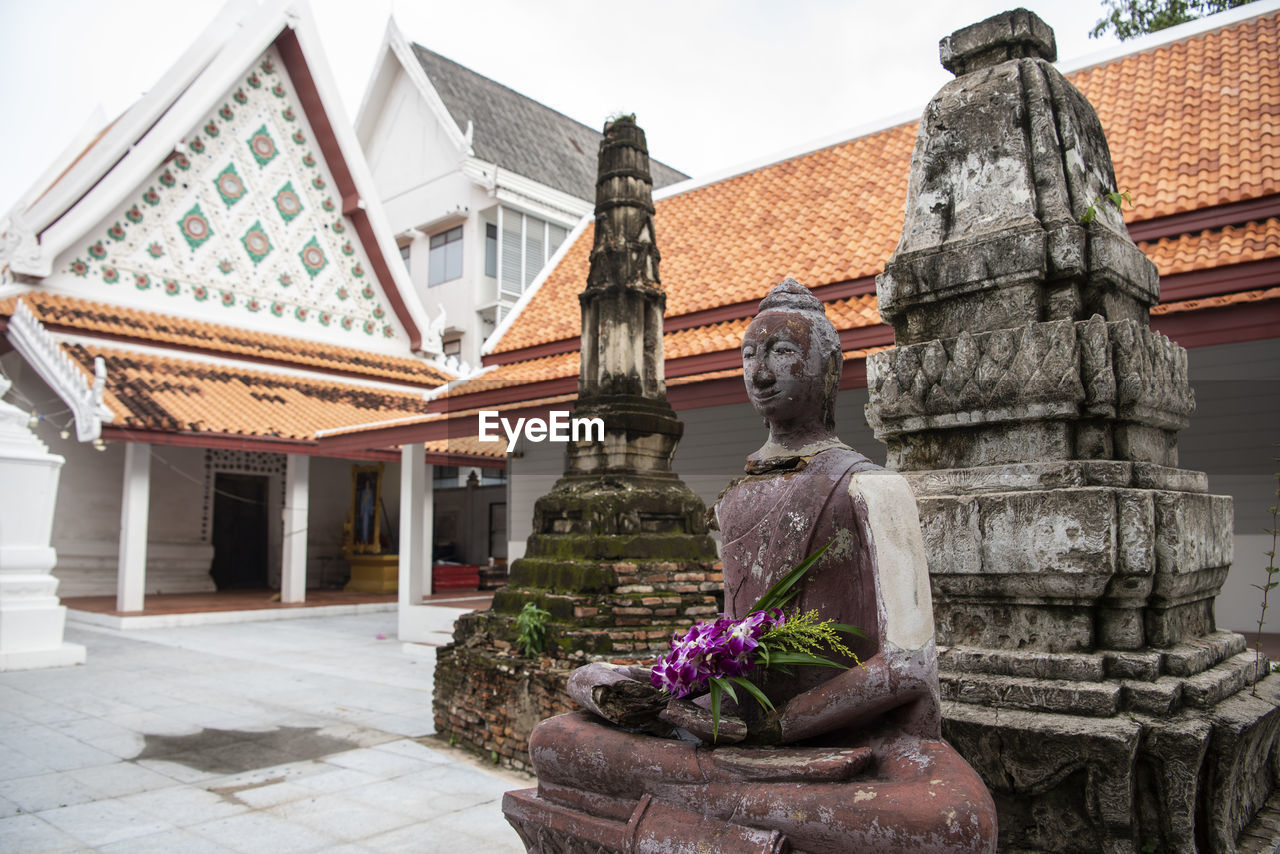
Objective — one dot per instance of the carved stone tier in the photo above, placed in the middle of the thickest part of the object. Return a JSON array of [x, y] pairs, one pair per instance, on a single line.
[[1035, 414], [1060, 557], [1058, 390]]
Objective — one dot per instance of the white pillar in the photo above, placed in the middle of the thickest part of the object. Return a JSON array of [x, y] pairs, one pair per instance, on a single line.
[[416, 511], [131, 577], [293, 559]]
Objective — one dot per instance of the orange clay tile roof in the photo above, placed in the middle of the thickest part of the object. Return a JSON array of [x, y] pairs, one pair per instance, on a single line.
[[1184, 253], [716, 337], [151, 392], [1190, 125], [1254, 241], [101, 319]]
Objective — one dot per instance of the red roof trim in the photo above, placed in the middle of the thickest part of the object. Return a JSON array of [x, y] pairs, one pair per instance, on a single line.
[[1227, 325], [194, 439], [538, 351], [232, 442], [1248, 276], [1189, 222], [296, 64], [721, 391], [429, 431]]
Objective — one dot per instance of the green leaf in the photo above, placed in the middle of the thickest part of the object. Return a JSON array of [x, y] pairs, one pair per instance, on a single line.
[[754, 690], [845, 628], [725, 686], [806, 659], [715, 710], [776, 596]]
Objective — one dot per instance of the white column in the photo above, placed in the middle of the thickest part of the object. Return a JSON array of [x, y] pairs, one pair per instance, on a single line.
[[131, 576], [416, 512], [293, 559]]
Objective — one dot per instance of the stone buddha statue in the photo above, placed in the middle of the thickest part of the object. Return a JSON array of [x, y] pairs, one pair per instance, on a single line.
[[849, 760]]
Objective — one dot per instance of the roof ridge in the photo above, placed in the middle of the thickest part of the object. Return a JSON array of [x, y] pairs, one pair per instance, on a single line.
[[1198, 28]]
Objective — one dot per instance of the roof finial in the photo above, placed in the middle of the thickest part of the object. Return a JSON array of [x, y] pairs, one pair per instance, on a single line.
[[1015, 34]]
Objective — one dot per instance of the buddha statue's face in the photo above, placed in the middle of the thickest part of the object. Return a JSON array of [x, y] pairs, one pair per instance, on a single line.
[[784, 369]]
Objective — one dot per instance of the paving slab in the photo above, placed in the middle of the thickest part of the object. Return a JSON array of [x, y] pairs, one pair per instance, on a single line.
[[306, 735]]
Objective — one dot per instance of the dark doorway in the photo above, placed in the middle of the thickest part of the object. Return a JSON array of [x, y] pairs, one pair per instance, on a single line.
[[498, 531], [239, 531]]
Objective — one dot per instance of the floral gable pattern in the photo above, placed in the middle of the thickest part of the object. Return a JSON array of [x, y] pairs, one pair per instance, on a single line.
[[243, 216]]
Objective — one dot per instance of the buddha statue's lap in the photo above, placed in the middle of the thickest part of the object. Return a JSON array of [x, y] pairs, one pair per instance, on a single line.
[[850, 761]]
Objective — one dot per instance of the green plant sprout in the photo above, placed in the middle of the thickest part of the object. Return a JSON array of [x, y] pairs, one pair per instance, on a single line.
[[531, 626], [1271, 583], [1091, 212]]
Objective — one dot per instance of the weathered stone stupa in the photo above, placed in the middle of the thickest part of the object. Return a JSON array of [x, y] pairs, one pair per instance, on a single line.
[[1074, 566], [619, 555]]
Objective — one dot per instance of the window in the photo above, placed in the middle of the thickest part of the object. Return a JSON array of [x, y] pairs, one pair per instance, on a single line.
[[527, 244], [444, 264], [404, 255], [449, 473], [490, 249], [453, 347]]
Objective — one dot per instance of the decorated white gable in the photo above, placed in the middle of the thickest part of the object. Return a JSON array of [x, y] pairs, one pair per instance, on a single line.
[[243, 225]]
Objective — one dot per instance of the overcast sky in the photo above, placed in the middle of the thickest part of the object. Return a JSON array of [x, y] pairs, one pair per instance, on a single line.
[[714, 83]]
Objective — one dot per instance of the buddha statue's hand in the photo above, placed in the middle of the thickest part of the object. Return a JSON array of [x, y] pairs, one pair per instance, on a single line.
[[622, 695], [698, 722]]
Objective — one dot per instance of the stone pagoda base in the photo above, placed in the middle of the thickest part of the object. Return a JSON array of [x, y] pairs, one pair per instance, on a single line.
[[488, 696], [1080, 668]]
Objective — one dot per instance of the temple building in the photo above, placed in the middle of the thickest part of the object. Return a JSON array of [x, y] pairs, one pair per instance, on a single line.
[[190, 296], [1190, 116], [480, 184]]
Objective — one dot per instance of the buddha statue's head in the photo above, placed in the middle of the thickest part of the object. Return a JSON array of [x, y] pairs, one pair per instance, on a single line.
[[791, 360]]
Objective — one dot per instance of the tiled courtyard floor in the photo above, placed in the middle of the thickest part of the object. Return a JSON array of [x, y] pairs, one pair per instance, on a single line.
[[293, 736]]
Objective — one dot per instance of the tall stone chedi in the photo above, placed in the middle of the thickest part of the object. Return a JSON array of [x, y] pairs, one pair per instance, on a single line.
[[619, 555], [1074, 566]]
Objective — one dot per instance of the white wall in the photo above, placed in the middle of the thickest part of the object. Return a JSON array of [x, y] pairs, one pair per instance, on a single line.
[[529, 476], [1233, 436], [713, 451], [412, 158]]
